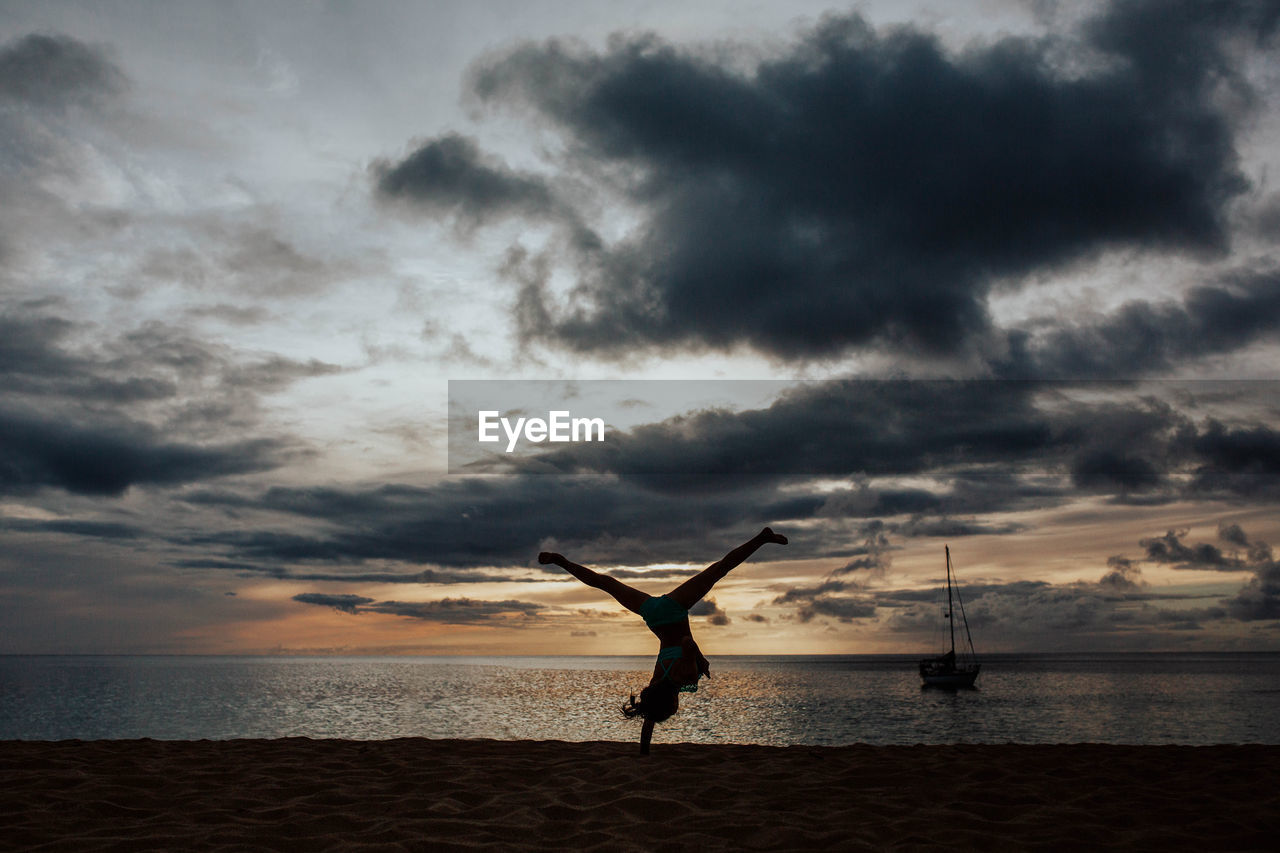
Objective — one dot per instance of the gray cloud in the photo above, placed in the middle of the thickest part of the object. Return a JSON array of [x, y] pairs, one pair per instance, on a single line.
[[55, 71], [450, 176], [453, 611], [49, 85], [1257, 600], [153, 362], [825, 598], [356, 575], [249, 255], [1123, 576], [75, 527]]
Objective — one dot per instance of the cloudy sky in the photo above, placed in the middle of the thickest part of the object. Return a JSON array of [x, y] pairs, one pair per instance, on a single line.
[[1009, 268]]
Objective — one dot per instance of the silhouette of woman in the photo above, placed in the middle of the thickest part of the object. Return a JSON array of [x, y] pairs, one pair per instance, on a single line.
[[680, 663]]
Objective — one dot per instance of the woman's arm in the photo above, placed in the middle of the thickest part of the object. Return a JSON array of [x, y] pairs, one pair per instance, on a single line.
[[582, 573]]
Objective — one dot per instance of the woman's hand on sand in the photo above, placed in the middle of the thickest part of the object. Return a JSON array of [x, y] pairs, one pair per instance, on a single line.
[[549, 557], [768, 535]]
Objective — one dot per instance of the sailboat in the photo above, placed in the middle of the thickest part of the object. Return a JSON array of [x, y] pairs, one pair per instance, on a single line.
[[946, 671]]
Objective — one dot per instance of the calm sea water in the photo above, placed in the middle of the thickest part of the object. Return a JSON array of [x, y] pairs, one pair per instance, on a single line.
[[1136, 699]]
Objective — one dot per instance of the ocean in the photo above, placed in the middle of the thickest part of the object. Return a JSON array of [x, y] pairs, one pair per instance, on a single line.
[[776, 700]]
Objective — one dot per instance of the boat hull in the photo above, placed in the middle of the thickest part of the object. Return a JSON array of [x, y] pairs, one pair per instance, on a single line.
[[954, 678]]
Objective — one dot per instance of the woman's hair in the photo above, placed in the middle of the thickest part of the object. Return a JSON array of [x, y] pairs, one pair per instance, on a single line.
[[657, 703]]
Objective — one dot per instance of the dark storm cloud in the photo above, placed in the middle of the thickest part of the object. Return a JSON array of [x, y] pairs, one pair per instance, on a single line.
[[1232, 533], [826, 599], [992, 445], [987, 437], [952, 528], [153, 405], [106, 458], [715, 614], [35, 360], [477, 522], [1146, 337], [1110, 470], [56, 71], [805, 593], [988, 447], [834, 427], [1260, 598], [842, 609], [452, 611], [150, 406], [1240, 461], [861, 187], [450, 176], [1171, 550], [456, 611], [345, 603]]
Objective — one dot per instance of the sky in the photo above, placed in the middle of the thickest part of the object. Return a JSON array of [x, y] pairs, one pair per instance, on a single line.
[[998, 276]]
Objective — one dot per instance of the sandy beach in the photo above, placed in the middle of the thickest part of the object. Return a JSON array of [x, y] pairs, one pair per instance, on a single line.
[[417, 794]]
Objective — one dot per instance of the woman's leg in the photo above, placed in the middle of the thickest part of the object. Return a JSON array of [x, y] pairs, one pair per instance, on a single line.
[[691, 591], [628, 596]]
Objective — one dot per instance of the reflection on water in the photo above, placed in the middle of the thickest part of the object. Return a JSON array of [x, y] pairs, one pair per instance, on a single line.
[[771, 700]]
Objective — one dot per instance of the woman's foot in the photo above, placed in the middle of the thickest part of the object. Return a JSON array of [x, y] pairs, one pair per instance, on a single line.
[[767, 535]]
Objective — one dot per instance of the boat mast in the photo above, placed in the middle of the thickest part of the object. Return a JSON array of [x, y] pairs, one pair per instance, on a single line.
[[951, 622]]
